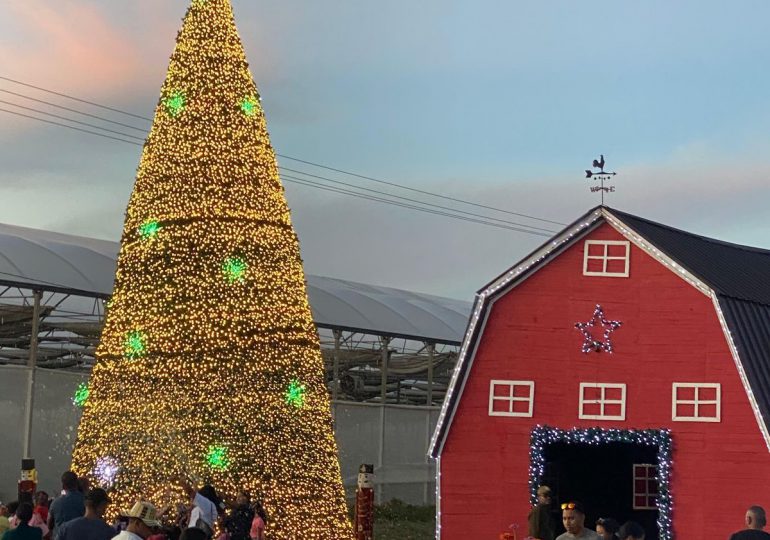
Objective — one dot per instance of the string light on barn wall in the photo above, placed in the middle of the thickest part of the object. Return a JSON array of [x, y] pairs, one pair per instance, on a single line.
[[209, 364]]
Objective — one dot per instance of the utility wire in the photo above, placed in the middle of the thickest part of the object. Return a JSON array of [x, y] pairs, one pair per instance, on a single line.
[[70, 127], [304, 181], [141, 130], [68, 119], [301, 181], [412, 200], [298, 160], [75, 98]]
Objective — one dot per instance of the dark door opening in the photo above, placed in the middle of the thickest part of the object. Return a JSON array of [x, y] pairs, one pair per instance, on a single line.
[[604, 478]]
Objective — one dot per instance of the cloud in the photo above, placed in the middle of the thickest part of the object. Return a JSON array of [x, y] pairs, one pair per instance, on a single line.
[[70, 45]]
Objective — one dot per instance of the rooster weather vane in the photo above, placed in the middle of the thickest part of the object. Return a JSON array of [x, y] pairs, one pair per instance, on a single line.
[[600, 175]]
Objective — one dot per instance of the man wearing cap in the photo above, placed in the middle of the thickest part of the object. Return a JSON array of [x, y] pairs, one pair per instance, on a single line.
[[91, 526], [540, 522], [573, 516], [142, 519]]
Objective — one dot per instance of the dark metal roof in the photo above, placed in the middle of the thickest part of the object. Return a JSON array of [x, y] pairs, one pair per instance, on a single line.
[[740, 272], [739, 276]]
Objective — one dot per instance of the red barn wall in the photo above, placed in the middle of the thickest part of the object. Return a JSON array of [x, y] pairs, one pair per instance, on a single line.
[[670, 333]]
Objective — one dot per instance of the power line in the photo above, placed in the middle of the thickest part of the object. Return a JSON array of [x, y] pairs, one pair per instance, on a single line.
[[413, 200], [142, 130], [306, 182], [75, 98], [68, 119], [70, 127], [298, 160], [416, 190]]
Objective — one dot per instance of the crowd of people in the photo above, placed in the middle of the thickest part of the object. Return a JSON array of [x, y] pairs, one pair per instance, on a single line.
[[542, 527], [78, 513]]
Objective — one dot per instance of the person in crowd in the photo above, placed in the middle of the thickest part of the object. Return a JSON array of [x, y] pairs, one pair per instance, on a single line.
[[238, 523], [541, 525], [23, 531], [12, 519], [193, 533], [258, 523], [41, 505], [607, 528], [755, 520], [84, 485], [573, 516], [92, 525], [142, 520], [204, 512], [4, 523], [70, 505], [631, 530]]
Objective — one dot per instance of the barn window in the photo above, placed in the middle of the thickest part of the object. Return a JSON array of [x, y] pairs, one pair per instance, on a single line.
[[511, 398], [602, 401], [609, 258], [696, 402], [645, 486]]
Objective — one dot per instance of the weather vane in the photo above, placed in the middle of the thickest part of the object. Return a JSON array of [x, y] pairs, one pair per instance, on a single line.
[[601, 175]]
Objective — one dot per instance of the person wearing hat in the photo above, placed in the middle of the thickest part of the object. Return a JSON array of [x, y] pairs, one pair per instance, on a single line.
[[142, 519], [573, 516], [92, 525], [540, 523]]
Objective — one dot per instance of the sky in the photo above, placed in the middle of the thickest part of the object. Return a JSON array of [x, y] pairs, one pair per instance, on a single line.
[[497, 102]]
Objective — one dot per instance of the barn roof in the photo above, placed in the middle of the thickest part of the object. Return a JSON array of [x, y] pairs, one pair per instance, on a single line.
[[736, 277]]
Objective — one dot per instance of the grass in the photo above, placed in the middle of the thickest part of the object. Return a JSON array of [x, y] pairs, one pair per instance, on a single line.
[[399, 521]]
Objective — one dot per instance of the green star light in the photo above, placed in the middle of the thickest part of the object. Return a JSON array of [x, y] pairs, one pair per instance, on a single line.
[[134, 346], [149, 229], [249, 106], [81, 395], [235, 269], [217, 458], [175, 103], [295, 395]]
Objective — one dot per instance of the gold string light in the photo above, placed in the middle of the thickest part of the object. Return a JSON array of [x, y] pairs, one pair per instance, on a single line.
[[209, 364]]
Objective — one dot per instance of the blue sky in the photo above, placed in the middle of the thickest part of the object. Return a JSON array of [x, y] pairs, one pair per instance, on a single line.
[[504, 103]]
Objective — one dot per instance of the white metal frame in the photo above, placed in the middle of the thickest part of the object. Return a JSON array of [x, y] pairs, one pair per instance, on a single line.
[[696, 402], [606, 257], [510, 398], [646, 478], [602, 401]]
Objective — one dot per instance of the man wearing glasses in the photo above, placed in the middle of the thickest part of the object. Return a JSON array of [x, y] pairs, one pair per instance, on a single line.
[[573, 516]]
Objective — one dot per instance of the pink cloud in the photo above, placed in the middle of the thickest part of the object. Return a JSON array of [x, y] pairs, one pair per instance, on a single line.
[[69, 46]]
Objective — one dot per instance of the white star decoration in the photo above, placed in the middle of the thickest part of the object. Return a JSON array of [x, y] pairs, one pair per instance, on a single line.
[[590, 343]]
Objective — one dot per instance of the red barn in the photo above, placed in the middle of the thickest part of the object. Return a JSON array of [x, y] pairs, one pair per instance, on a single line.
[[624, 363]]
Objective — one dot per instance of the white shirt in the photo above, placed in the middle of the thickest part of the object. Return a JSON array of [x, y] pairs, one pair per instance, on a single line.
[[125, 535], [204, 509]]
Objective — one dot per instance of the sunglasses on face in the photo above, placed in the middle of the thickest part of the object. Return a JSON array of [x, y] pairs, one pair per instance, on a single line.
[[568, 506]]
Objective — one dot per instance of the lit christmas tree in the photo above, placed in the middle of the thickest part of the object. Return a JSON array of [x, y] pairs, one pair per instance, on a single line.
[[209, 364]]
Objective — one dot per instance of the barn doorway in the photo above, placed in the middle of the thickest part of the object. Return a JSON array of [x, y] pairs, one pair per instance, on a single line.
[[614, 475]]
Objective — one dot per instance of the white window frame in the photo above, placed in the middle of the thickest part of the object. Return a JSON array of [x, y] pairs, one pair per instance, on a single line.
[[696, 402], [602, 401], [510, 398], [606, 257], [646, 493]]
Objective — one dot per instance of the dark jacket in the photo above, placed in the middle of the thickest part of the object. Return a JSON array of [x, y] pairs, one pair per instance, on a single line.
[[23, 532], [238, 524], [540, 523]]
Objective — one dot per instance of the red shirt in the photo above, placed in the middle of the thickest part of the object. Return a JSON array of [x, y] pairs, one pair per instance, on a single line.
[[43, 511]]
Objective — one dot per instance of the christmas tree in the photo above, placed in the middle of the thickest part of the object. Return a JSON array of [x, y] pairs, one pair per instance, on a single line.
[[209, 365]]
